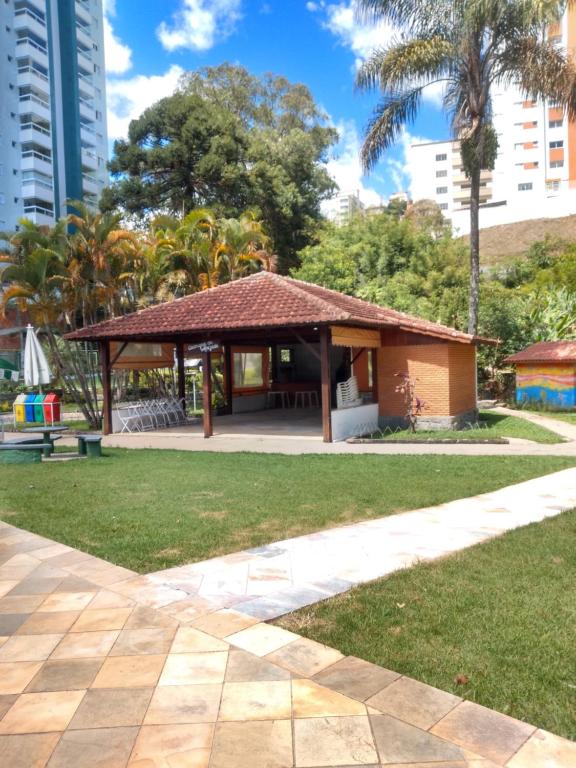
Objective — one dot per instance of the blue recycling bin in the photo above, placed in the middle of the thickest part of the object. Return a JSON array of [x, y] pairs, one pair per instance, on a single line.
[[29, 407]]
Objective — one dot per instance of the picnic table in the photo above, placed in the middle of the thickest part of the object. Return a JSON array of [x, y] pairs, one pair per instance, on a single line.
[[46, 433]]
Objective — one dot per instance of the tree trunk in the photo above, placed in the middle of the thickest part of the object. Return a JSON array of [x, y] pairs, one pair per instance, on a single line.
[[474, 252]]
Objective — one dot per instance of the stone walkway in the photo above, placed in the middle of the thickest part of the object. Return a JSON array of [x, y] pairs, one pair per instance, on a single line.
[[99, 671], [563, 428], [102, 668], [270, 581]]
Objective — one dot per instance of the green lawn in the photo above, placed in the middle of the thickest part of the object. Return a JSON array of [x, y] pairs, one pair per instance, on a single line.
[[76, 426], [501, 613], [150, 509], [493, 426], [569, 417]]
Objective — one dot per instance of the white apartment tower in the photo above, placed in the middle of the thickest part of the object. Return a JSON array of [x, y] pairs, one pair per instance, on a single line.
[[535, 171], [342, 207], [53, 142]]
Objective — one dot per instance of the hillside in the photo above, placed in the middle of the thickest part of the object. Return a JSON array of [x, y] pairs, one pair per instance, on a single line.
[[501, 243]]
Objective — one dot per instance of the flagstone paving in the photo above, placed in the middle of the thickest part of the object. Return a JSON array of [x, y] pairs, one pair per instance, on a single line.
[[269, 581], [103, 668]]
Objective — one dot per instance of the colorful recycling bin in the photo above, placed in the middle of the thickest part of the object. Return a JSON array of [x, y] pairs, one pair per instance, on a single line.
[[39, 408], [29, 407], [20, 409], [51, 408]]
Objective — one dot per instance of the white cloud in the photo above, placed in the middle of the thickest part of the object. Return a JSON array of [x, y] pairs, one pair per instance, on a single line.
[[345, 167], [362, 39], [343, 21], [129, 97], [200, 24], [406, 170], [118, 56]]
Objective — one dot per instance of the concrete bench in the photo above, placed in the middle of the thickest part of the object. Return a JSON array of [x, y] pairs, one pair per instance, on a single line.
[[90, 445], [24, 452]]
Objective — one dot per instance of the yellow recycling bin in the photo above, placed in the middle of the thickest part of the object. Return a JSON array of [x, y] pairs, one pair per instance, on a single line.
[[20, 409]]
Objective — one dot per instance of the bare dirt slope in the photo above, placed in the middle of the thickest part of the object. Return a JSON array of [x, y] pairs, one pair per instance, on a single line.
[[502, 243]]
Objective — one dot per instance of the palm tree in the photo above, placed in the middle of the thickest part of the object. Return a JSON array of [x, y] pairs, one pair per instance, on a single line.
[[16, 246], [469, 46], [214, 251], [152, 274], [245, 247], [35, 286], [98, 252]]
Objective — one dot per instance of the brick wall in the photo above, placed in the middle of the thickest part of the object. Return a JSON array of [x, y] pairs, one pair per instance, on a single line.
[[462, 378], [445, 375], [361, 368], [10, 343]]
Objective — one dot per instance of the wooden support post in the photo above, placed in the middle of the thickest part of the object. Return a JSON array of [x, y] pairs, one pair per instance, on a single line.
[[374, 354], [106, 387], [274, 363], [228, 377], [207, 392], [326, 384], [181, 374]]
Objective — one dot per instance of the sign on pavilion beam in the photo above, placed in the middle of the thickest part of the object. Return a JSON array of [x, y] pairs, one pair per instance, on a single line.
[[205, 346]]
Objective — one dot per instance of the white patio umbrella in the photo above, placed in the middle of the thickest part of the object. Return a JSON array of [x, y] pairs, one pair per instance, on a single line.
[[36, 368]]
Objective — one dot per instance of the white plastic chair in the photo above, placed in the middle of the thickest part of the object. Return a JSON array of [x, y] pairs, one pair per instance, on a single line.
[[129, 418], [347, 395]]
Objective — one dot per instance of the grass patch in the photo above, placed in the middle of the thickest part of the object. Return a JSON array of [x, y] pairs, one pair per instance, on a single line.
[[569, 416], [501, 613], [74, 425], [150, 509], [493, 426]]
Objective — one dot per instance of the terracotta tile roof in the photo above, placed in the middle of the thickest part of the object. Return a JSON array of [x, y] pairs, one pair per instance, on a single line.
[[263, 300], [546, 352]]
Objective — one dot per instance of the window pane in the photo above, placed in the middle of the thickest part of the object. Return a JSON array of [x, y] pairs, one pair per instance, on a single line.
[[248, 369]]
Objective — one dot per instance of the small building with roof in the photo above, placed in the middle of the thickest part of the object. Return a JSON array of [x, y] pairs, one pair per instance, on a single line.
[[546, 373], [280, 343]]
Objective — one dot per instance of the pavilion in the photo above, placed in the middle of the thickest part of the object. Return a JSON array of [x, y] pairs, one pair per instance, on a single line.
[[281, 342]]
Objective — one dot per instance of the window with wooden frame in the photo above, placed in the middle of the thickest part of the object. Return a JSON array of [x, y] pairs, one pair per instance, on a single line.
[[250, 367]]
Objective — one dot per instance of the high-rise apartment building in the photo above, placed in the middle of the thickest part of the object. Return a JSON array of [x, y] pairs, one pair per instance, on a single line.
[[535, 171], [343, 206], [53, 142]]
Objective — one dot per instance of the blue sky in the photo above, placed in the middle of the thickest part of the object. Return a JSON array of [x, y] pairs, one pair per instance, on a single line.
[[319, 43]]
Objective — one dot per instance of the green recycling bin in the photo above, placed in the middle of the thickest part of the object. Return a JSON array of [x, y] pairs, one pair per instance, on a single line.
[[39, 408]]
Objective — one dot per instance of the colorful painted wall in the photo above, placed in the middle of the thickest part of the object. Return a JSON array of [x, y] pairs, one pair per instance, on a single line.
[[554, 385]]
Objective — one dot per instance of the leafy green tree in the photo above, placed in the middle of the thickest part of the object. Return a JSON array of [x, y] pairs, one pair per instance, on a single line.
[[181, 153], [405, 263], [470, 46], [232, 142], [552, 315]]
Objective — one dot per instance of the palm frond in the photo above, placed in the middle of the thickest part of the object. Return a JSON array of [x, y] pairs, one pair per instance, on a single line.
[[406, 64], [416, 16], [387, 122], [541, 69]]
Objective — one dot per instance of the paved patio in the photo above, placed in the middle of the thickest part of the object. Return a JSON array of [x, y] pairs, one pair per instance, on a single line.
[[299, 432], [102, 668]]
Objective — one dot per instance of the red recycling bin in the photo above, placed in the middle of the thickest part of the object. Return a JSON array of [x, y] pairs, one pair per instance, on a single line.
[[51, 408]]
